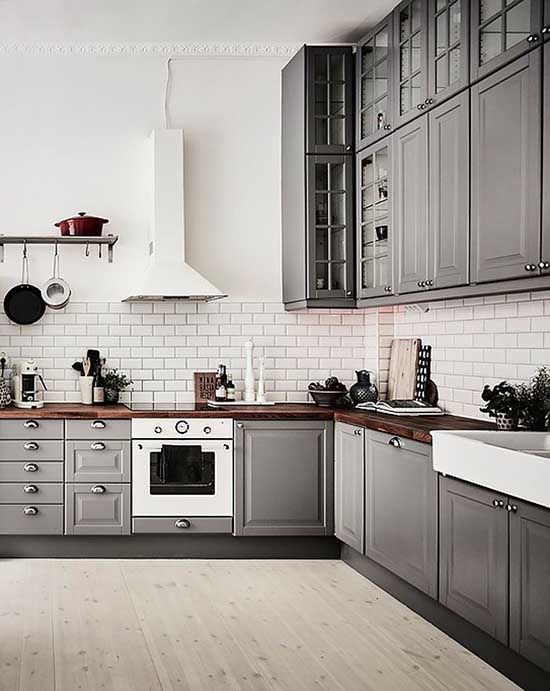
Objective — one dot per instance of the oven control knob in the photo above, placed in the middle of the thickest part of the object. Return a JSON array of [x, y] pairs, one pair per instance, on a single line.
[[158, 430], [182, 427], [207, 430]]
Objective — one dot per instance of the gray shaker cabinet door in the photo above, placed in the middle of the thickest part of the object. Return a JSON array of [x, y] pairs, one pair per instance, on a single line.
[[97, 509], [349, 498], [505, 172], [410, 185], [545, 253], [529, 582], [98, 461], [473, 579], [401, 509], [284, 478], [449, 192]]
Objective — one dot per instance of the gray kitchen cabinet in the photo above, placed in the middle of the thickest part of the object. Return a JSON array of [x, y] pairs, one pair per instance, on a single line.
[[31, 450], [97, 461], [98, 429], [506, 172], [473, 579], [448, 49], [545, 31], [449, 200], [375, 78], [284, 478], [349, 470], [31, 519], [401, 509], [529, 581], [500, 32], [410, 205], [31, 429], [545, 248], [97, 509]]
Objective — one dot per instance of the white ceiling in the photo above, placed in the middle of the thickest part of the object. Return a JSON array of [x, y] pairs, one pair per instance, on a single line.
[[187, 21]]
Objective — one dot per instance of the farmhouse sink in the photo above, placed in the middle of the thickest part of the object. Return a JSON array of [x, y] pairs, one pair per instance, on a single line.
[[514, 463]]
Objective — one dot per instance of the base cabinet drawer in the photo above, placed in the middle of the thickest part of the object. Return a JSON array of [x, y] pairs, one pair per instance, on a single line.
[[31, 428], [183, 524], [98, 429], [35, 492], [98, 461], [31, 519], [31, 471], [31, 450], [97, 509]]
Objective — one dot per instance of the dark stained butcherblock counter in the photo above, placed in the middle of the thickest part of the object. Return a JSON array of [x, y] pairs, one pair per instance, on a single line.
[[411, 427]]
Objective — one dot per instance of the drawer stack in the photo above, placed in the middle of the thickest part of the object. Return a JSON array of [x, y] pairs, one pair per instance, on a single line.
[[98, 475], [31, 477]]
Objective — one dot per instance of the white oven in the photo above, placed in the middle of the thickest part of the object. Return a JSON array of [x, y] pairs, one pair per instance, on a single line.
[[182, 467]]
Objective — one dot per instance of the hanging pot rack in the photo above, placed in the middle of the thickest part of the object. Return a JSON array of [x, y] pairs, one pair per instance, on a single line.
[[101, 241]]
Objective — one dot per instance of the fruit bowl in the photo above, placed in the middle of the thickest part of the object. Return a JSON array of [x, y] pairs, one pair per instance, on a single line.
[[327, 399]]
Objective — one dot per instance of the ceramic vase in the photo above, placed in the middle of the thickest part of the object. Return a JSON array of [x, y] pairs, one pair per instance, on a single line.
[[363, 391]]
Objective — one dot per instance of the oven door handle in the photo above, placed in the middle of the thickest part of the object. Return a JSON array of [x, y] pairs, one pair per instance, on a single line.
[[182, 523]]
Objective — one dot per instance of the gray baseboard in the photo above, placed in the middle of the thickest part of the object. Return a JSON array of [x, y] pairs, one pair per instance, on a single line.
[[167, 547], [506, 661]]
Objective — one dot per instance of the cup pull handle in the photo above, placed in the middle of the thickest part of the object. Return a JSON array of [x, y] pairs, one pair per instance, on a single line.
[[98, 424], [30, 424], [98, 489], [97, 446], [182, 523]]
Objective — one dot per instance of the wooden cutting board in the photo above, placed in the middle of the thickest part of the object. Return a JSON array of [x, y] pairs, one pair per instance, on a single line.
[[403, 364]]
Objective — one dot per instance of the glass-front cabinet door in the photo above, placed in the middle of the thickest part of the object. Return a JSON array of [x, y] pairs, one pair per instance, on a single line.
[[330, 112], [411, 61], [502, 30], [331, 227], [448, 48], [374, 69], [374, 222]]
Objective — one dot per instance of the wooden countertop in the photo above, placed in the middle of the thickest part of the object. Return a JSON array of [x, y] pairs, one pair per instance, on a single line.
[[411, 427]]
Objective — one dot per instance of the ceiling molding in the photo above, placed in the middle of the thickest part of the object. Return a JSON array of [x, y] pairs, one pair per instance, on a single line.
[[239, 50]]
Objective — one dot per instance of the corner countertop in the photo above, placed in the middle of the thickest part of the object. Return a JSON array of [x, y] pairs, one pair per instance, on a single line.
[[412, 427]]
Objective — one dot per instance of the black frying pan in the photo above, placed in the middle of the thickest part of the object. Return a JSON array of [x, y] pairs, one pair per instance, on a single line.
[[23, 304]]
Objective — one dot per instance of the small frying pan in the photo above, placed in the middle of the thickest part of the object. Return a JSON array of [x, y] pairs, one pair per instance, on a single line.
[[23, 304]]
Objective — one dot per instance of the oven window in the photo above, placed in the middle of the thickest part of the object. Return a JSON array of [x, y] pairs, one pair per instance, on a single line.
[[182, 470]]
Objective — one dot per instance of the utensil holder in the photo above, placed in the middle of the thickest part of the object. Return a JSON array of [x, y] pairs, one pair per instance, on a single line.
[[86, 390]]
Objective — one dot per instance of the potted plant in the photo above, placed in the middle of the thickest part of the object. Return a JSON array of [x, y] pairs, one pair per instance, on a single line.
[[534, 401], [502, 403], [115, 382]]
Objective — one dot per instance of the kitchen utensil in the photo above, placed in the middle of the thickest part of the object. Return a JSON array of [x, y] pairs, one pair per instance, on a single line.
[[56, 292], [78, 367], [23, 304], [327, 399], [94, 357], [403, 365], [82, 225], [363, 391], [86, 366]]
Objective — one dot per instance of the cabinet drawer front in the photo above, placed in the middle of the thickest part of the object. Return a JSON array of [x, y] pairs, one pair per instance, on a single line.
[[96, 509], [46, 519], [400, 442], [183, 525], [98, 429], [31, 450], [98, 461], [31, 428], [33, 492], [30, 472]]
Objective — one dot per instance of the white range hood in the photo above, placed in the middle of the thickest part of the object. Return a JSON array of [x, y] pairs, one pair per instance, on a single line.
[[168, 276]]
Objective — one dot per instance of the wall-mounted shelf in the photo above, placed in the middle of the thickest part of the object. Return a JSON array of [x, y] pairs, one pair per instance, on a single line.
[[100, 241]]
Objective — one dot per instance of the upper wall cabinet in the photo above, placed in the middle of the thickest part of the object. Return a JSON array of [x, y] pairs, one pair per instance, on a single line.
[[448, 48], [374, 70], [501, 31], [545, 31], [544, 264], [329, 101]]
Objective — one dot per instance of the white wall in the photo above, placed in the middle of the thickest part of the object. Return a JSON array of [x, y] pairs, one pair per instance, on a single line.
[[73, 132]]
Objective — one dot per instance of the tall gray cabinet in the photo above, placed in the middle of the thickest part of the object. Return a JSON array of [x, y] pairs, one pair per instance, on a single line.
[[349, 471]]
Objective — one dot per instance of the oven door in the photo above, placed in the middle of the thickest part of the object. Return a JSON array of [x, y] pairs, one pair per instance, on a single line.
[[182, 478]]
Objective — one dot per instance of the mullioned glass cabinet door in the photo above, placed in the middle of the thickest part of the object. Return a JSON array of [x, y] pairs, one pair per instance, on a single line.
[[448, 48], [330, 226]]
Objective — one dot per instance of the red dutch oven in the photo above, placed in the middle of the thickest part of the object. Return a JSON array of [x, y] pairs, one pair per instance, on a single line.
[[82, 225]]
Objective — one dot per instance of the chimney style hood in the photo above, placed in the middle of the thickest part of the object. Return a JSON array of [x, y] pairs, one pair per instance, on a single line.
[[168, 276]]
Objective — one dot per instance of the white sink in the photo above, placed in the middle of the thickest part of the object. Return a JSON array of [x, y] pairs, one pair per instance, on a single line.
[[513, 463]]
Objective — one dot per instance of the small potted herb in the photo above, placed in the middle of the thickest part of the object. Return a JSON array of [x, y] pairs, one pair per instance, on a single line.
[[115, 382], [502, 403], [534, 401]]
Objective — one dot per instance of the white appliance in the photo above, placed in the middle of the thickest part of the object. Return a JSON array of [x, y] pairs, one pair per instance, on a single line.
[[26, 383], [182, 467], [168, 276]]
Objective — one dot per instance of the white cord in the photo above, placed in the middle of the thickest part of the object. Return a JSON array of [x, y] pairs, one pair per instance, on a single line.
[[167, 91]]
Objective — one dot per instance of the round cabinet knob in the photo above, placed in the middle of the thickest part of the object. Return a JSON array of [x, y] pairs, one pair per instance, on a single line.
[[348, 148], [530, 267], [182, 523], [511, 508], [421, 284], [387, 128], [207, 430], [429, 283], [158, 430], [498, 503], [545, 30], [532, 38], [30, 424], [182, 427], [429, 101], [396, 442], [240, 425], [388, 289], [30, 467], [349, 293], [30, 510], [226, 447], [97, 446], [31, 446], [30, 489], [546, 265], [98, 424], [98, 489]]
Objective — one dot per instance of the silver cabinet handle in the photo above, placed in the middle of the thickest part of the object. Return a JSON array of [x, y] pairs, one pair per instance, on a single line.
[[511, 508], [545, 30], [429, 101], [240, 425], [396, 442], [429, 283], [182, 523], [30, 510], [30, 424], [349, 293], [98, 489], [97, 446], [357, 432], [530, 267], [98, 424], [31, 446], [30, 489], [498, 503], [387, 128], [30, 467], [532, 38]]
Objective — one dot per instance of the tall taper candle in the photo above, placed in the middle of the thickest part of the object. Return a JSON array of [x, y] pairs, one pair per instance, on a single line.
[[261, 387]]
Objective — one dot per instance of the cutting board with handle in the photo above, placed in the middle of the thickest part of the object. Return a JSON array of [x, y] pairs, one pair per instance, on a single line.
[[403, 365]]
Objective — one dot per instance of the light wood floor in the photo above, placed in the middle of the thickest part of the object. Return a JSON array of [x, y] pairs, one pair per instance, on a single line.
[[285, 625]]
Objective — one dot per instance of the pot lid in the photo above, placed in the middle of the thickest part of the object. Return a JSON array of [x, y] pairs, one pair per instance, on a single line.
[[82, 215]]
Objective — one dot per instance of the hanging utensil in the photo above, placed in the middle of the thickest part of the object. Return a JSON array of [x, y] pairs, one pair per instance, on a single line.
[[23, 304], [56, 292]]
